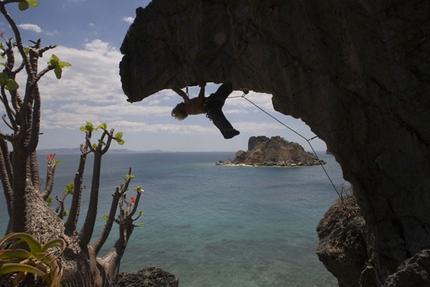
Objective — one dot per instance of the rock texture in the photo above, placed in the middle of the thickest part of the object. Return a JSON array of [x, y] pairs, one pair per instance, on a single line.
[[148, 277], [343, 246], [274, 151], [413, 272], [357, 72]]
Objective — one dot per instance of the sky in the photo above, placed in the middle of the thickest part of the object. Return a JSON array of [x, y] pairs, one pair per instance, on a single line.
[[89, 34]]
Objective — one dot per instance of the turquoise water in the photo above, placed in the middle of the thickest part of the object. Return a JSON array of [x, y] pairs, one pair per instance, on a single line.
[[216, 225]]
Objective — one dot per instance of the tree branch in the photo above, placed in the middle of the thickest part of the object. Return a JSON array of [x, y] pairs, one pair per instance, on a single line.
[[6, 174], [17, 36], [88, 227], [34, 171], [10, 113], [109, 140], [35, 121], [72, 220], [50, 171], [100, 241]]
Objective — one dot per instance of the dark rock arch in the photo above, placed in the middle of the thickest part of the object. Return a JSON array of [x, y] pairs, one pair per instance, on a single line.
[[357, 72]]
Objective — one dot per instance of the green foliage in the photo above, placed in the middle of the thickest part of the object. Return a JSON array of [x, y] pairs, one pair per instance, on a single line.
[[23, 5], [128, 176], [102, 126], [57, 65], [7, 83], [49, 200], [88, 128], [69, 188], [27, 255], [139, 189], [118, 138]]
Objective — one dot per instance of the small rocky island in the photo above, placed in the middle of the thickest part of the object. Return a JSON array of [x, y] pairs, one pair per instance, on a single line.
[[274, 151]]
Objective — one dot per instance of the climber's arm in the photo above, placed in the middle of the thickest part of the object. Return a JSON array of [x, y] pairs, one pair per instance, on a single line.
[[182, 94], [202, 91]]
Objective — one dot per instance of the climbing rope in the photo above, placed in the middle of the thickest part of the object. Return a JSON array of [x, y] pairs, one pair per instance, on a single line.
[[300, 135]]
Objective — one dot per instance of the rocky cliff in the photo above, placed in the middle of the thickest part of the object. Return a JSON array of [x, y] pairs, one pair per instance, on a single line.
[[274, 151], [343, 245], [357, 72]]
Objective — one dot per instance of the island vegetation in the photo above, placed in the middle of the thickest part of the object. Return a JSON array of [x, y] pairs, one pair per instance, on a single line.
[[274, 151]]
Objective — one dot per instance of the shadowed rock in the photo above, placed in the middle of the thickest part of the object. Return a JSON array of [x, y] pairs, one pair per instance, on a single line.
[[357, 72]]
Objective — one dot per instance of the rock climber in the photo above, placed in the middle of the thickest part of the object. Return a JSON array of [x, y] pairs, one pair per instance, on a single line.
[[211, 106]]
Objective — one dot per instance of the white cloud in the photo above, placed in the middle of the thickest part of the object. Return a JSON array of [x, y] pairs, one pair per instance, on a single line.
[[128, 19], [133, 127], [92, 78], [90, 90], [30, 27]]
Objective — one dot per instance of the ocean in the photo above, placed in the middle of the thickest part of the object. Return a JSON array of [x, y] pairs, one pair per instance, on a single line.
[[217, 226]]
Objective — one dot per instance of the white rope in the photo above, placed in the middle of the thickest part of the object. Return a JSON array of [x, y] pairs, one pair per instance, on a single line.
[[300, 135]]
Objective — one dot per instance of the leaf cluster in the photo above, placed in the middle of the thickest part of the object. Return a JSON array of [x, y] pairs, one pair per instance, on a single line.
[[57, 65], [7, 83], [27, 255], [89, 128], [24, 5]]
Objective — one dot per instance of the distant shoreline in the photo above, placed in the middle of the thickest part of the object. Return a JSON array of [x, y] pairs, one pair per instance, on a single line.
[[125, 151], [220, 163]]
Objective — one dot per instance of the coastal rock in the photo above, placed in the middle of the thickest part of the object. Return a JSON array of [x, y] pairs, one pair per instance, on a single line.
[[413, 272], [343, 246], [274, 151], [356, 72], [148, 277]]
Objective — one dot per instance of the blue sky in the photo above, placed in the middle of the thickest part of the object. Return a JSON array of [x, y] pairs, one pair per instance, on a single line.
[[89, 34]]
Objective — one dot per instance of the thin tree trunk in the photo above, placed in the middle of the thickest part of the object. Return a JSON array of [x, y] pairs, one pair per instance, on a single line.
[[72, 220], [88, 227], [19, 218]]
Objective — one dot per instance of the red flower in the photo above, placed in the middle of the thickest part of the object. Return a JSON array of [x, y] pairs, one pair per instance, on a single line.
[[50, 156], [1, 34], [132, 199]]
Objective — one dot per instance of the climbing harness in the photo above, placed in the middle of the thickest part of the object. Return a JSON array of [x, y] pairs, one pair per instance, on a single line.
[[300, 135]]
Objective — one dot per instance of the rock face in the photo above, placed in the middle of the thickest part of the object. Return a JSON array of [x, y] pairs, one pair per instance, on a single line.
[[274, 151], [357, 72], [413, 272], [343, 246]]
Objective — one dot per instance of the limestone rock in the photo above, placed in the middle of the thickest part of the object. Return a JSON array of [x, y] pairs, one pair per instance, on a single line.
[[357, 72], [274, 151]]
